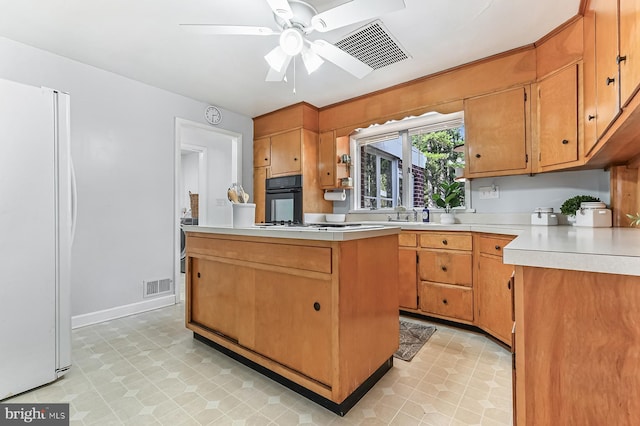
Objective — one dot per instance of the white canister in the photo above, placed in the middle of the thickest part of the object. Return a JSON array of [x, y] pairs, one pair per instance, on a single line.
[[593, 215], [244, 215], [544, 216]]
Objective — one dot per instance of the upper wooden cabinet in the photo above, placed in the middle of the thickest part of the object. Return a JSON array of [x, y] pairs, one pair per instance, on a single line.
[[558, 118], [629, 49], [262, 152], [286, 153], [331, 170], [496, 133], [601, 69]]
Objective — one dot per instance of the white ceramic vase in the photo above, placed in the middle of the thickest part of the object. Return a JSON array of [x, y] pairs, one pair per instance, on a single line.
[[447, 218]]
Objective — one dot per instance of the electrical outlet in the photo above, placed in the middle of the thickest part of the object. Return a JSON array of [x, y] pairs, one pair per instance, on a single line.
[[489, 192]]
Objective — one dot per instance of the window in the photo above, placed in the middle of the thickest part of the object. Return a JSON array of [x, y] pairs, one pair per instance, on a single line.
[[403, 163]]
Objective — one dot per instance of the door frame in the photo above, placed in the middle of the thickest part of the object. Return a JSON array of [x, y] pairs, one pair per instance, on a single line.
[[236, 140]]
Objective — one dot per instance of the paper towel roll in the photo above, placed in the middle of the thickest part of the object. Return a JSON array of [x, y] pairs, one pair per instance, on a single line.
[[335, 195]]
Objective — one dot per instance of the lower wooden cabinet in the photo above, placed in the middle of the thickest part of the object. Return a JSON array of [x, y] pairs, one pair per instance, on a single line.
[[450, 301], [577, 348], [322, 314], [288, 309], [457, 276]]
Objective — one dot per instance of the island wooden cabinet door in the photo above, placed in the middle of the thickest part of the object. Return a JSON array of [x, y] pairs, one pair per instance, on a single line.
[[496, 132], [286, 153], [292, 317], [214, 296], [558, 117]]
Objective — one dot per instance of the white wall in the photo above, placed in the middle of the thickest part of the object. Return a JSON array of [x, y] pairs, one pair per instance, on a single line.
[[522, 194], [122, 143]]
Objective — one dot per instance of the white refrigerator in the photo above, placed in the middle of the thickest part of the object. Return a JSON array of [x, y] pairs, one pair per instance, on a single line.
[[37, 219]]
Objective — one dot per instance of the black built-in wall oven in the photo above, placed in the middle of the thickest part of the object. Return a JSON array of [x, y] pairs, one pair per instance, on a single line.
[[284, 199]]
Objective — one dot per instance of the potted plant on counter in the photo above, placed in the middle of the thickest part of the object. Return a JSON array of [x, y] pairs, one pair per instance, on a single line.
[[449, 197], [572, 205]]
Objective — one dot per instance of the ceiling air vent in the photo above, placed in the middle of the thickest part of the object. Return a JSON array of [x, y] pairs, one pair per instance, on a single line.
[[373, 45]]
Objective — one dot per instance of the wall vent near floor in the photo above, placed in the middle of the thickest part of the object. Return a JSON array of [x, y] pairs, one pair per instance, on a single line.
[[156, 287]]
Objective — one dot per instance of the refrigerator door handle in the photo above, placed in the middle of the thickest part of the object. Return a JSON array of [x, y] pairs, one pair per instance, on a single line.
[[74, 200]]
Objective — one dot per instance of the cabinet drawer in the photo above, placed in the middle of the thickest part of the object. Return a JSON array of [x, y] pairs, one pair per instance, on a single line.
[[447, 300], [407, 239], [445, 267], [493, 245], [447, 240]]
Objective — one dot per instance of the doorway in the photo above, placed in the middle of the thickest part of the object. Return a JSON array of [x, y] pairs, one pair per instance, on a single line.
[[212, 162]]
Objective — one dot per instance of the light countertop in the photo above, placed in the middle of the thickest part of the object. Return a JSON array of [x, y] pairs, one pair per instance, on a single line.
[[302, 233], [606, 250]]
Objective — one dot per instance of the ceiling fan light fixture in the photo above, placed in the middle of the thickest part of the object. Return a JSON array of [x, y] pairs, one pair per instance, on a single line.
[[291, 41], [312, 61], [276, 58]]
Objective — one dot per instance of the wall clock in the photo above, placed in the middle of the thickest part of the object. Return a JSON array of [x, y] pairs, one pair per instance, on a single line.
[[213, 115]]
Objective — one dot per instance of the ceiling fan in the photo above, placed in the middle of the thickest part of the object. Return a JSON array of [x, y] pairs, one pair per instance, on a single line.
[[297, 19]]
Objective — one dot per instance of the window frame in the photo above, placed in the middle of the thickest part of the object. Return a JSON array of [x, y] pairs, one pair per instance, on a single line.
[[403, 129]]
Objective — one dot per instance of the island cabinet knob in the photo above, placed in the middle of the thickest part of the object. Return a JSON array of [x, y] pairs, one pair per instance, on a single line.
[[478, 155], [445, 242], [444, 268], [316, 306], [565, 141], [497, 247], [444, 301], [198, 274]]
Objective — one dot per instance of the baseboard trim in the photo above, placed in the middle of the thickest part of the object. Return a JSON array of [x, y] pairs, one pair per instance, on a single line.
[[83, 320]]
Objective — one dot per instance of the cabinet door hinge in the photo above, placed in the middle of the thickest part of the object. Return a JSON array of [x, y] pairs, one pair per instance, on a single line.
[[525, 96], [417, 258], [526, 158]]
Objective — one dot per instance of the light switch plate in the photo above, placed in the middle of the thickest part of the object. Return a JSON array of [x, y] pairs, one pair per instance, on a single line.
[[489, 192]]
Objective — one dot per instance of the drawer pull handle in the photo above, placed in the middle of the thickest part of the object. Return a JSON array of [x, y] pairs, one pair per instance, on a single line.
[[610, 80], [591, 117], [621, 59], [266, 159], [478, 155], [497, 247], [198, 274], [564, 141], [509, 284], [445, 242], [444, 301], [444, 268], [295, 159], [316, 306]]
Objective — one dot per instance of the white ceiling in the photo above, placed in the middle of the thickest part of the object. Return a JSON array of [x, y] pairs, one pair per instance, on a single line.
[[141, 39]]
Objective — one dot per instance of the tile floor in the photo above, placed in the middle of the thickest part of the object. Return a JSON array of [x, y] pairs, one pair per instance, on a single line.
[[148, 369]]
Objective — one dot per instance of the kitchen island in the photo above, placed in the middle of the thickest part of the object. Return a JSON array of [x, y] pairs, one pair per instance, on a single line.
[[313, 308]]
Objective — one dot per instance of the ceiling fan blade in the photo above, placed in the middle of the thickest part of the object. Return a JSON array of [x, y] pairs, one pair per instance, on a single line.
[[275, 75], [353, 12], [227, 29], [281, 8], [341, 58]]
